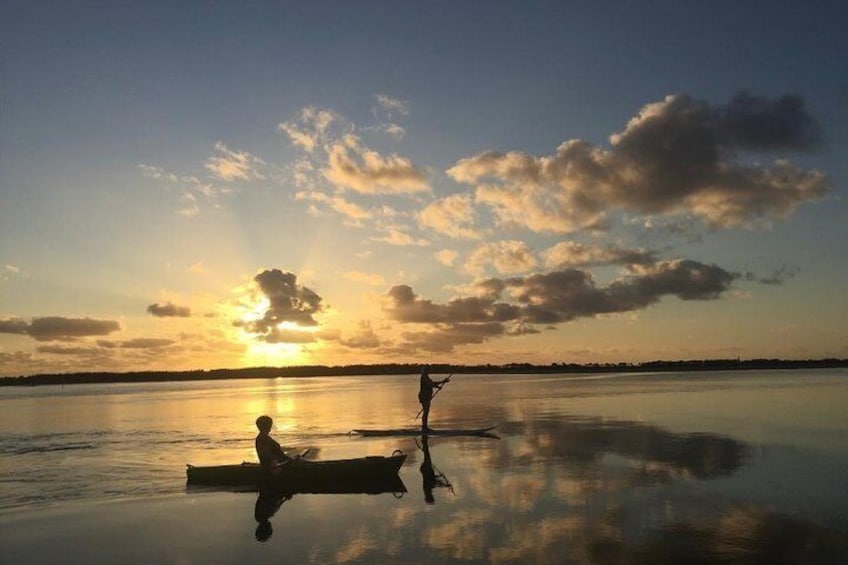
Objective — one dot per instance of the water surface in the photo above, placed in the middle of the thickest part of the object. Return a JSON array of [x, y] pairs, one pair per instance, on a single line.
[[629, 468]]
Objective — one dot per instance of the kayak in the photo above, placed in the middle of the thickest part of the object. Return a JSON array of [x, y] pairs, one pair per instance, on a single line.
[[324, 476], [366, 485], [482, 432]]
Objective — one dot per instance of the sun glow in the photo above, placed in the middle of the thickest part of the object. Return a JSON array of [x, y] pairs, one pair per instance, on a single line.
[[260, 353]]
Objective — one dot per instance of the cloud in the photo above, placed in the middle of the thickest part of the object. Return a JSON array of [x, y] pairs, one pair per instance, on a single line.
[[288, 303], [363, 338], [9, 271], [446, 256], [567, 254], [344, 207], [550, 298], [153, 172], [365, 278], [506, 257], [397, 235], [137, 343], [452, 216], [312, 130], [392, 105], [562, 296], [403, 305], [352, 166], [168, 309], [777, 277], [678, 156], [14, 326], [231, 165], [446, 338], [58, 328]]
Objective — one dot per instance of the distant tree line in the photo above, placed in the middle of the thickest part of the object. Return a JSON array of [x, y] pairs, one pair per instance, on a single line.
[[411, 368]]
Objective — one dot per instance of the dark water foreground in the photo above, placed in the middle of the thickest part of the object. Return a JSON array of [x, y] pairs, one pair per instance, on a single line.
[[719, 468]]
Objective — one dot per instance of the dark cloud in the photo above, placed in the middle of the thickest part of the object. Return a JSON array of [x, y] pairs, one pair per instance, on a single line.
[[405, 306], [64, 350], [443, 339], [288, 302], [58, 328], [168, 310], [777, 277], [755, 122], [137, 343], [678, 156], [14, 326], [549, 298]]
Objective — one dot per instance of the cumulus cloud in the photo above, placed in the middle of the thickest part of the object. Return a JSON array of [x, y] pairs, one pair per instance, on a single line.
[[453, 216], [567, 254], [352, 166], [677, 156], [288, 303], [168, 310], [51, 328], [446, 257], [229, 165], [312, 128], [345, 162], [551, 298], [507, 257]]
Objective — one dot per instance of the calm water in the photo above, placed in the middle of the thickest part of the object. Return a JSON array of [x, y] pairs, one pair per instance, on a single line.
[[744, 467]]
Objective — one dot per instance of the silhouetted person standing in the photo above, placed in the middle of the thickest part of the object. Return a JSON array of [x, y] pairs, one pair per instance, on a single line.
[[430, 479], [425, 394]]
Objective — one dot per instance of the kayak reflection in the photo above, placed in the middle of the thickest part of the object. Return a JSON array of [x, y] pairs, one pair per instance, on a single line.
[[431, 477], [270, 499]]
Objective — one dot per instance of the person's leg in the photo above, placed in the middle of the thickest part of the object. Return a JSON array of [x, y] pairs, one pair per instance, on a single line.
[[425, 415]]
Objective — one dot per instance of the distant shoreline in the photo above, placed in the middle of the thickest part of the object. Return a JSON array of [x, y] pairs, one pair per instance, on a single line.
[[411, 368]]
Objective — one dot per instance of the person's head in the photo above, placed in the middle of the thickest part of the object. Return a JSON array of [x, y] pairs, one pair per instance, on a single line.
[[425, 368], [264, 423], [264, 531]]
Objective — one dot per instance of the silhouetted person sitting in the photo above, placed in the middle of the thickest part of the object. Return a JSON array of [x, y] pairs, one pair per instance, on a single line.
[[269, 451], [425, 394], [267, 504]]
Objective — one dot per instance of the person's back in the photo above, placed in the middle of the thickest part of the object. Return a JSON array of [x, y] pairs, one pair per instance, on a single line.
[[267, 449]]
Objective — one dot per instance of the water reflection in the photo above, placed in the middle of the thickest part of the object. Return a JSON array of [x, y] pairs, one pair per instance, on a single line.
[[269, 500], [267, 504], [431, 477], [582, 443]]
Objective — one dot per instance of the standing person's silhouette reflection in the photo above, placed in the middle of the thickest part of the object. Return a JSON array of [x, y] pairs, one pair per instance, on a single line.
[[267, 504], [430, 478]]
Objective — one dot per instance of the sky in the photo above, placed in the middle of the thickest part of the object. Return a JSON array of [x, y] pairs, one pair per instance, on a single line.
[[234, 184]]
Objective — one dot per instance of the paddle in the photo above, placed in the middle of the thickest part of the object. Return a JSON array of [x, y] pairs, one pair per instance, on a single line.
[[300, 455], [438, 390]]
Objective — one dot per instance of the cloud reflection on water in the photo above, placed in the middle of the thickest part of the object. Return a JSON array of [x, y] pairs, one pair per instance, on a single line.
[[590, 490]]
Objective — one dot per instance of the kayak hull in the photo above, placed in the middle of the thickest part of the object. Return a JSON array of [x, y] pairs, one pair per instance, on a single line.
[[300, 475]]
